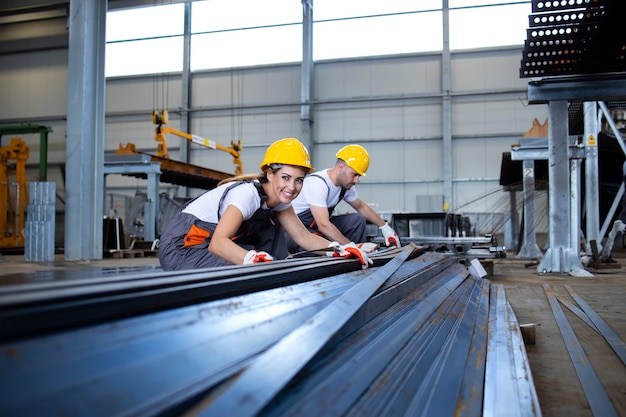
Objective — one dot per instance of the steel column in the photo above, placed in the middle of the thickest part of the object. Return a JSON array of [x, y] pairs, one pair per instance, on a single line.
[[592, 189], [307, 76], [560, 256], [185, 101], [85, 130], [529, 249], [446, 109]]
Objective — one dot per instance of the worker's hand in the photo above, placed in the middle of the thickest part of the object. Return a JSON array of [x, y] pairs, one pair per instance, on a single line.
[[253, 257], [367, 247], [391, 237], [349, 250]]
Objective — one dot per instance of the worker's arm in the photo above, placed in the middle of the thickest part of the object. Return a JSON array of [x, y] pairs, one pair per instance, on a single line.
[[221, 243], [366, 211], [322, 219], [309, 241], [300, 234], [391, 237]]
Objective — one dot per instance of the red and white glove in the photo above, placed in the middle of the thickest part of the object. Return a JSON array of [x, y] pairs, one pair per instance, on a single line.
[[391, 237], [254, 257], [349, 250], [367, 247]]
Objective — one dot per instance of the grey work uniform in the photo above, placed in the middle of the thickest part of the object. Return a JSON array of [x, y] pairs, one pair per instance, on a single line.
[[185, 241], [318, 190]]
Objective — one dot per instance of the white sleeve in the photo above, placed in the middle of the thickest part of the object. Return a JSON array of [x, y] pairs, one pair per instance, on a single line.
[[315, 191], [245, 197]]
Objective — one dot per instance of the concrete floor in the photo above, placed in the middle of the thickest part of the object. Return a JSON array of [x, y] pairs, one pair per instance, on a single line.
[[557, 384]]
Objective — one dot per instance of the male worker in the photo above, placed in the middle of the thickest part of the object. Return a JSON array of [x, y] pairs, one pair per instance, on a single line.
[[323, 190]]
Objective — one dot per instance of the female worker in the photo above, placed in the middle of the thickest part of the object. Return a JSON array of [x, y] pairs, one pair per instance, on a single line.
[[242, 220]]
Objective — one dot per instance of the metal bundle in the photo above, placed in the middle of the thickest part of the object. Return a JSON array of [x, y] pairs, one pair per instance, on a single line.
[[574, 37], [407, 337]]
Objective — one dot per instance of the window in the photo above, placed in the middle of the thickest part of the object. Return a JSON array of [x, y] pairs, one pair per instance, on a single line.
[[228, 33], [352, 28], [145, 40], [493, 25]]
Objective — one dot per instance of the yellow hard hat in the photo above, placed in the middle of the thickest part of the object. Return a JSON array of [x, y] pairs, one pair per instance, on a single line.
[[356, 157], [287, 151]]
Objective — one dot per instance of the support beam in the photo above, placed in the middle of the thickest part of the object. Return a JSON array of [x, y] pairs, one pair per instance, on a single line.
[[446, 83], [85, 130], [529, 249], [592, 189], [306, 76], [560, 257], [185, 101]]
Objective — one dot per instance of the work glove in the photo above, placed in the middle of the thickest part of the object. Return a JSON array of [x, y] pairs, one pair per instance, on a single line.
[[349, 250], [367, 247], [391, 237], [254, 257]]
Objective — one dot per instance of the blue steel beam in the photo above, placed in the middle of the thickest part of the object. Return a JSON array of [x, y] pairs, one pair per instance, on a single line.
[[259, 383], [602, 327], [339, 377], [416, 344], [597, 397], [28, 311], [508, 379]]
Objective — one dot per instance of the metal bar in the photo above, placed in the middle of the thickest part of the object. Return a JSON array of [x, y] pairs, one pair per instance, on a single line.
[[154, 362], [420, 331], [29, 313], [341, 375], [605, 330], [577, 88], [578, 312], [476, 361], [415, 369], [402, 375], [450, 367], [263, 379], [508, 379], [597, 397]]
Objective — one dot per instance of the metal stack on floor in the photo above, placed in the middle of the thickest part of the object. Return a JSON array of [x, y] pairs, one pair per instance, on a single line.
[[310, 336], [40, 221]]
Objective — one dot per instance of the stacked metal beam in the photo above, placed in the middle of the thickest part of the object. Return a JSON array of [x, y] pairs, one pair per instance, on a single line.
[[575, 37], [408, 336], [40, 222]]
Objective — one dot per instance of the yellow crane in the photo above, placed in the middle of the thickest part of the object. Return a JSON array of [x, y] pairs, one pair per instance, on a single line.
[[160, 119], [12, 215]]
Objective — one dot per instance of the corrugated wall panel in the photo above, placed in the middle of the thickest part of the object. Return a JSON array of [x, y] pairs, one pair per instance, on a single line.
[[391, 105]]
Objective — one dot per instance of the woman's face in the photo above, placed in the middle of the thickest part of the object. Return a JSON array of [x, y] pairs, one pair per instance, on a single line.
[[284, 184]]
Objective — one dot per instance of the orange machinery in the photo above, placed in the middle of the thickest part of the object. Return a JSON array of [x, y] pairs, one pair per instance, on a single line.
[[160, 119], [13, 207]]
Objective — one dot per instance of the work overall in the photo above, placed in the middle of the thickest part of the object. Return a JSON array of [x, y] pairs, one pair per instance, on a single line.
[[351, 225], [185, 242]]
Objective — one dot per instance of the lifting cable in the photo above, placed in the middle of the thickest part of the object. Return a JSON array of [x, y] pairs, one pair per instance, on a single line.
[[236, 104]]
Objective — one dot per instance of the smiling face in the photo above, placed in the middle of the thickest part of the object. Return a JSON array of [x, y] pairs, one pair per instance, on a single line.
[[284, 184]]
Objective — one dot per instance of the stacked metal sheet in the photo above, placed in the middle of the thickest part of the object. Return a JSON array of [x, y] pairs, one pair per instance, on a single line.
[[575, 37], [40, 222]]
